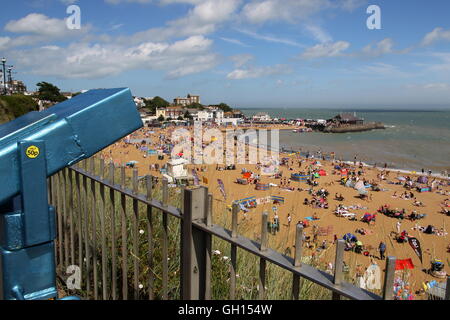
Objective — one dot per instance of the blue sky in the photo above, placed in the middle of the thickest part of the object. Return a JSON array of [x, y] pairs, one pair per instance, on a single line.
[[248, 53]]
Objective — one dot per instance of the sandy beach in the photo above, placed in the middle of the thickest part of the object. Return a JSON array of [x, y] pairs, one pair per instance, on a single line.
[[434, 246]]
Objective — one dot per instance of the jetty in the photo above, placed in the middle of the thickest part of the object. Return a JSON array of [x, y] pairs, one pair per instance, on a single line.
[[346, 122]]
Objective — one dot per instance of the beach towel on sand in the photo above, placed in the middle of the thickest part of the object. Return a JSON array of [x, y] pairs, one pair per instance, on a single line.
[[404, 264]]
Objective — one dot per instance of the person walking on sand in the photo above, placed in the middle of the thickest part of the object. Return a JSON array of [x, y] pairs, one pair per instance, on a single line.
[[289, 218], [399, 225], [382, 249]]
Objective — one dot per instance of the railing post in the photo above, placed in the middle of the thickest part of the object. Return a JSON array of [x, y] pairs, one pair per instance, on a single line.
[[165, 192], [135, 232], [208, 249], [234, 220], [112, 200], [388, 290], [262, 261], [338, 266], [447, 290], [149, 187], [297, 261], [234, 233], [193, 245]]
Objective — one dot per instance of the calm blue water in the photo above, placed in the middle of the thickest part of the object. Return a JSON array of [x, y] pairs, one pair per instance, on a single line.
[[412, 140]]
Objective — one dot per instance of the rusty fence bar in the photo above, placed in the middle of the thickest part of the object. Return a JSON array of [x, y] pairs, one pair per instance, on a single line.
[[197, 230]]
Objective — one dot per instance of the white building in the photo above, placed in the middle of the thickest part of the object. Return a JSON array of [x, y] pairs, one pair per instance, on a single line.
[[176, 169], [205, 116], [230, 121], [190, 99], [140, 103], [262, 116]]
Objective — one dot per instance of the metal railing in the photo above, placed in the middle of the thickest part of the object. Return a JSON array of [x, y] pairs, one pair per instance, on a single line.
[[96, 214]]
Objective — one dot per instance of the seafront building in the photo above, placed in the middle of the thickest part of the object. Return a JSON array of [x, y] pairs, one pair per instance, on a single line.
[[190, 99], [262, 117]]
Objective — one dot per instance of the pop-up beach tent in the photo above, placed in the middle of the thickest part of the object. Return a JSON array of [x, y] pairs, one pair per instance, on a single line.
[[422, 179], [350, 237]]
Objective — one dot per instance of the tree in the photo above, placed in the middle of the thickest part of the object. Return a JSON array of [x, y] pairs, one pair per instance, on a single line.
[[197, 105], [187, 115], [225, 107], [49, 92], [161, 118], [156, 102]]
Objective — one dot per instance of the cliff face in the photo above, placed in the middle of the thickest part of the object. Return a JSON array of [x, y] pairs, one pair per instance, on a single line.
[[355, 128], [14, 106]]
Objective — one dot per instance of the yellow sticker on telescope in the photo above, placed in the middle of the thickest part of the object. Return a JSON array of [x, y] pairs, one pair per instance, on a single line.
[[32, 152]]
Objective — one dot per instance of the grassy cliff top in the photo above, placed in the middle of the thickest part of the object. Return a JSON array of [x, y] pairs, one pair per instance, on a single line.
[[14, 106]]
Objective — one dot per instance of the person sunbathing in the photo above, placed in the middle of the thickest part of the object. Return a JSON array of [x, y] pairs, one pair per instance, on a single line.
[[339, 197], [418, 203]]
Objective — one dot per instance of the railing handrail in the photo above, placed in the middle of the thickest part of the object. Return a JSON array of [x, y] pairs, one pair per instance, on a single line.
[[305, 271]]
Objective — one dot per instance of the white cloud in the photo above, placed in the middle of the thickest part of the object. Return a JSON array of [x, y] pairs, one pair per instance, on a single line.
[[319, 33], [252, 73], [234, 41], [326, 50], [203, 19], [83, 60], [437, 86], [38, 28], [438, 34], [260, 11], [241, 59], [383, 69], [269, 38], [385, 46], [292, 11], [39, 24]]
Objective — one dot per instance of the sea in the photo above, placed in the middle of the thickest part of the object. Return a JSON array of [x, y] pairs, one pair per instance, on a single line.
[[413, 140]]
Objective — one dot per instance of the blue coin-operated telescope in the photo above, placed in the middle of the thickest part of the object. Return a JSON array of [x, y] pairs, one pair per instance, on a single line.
[[36, 146]]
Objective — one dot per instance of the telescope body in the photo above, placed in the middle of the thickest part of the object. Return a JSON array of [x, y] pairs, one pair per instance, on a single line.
[[32, 148]]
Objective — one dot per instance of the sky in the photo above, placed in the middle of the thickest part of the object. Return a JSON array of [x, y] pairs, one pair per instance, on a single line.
[[247, 53]]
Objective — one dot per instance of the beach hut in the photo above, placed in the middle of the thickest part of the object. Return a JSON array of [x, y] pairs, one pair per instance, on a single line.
[[176, 169]]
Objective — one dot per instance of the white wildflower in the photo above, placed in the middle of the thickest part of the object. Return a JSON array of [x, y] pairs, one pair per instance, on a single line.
[[141, 231], [217, 252]]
